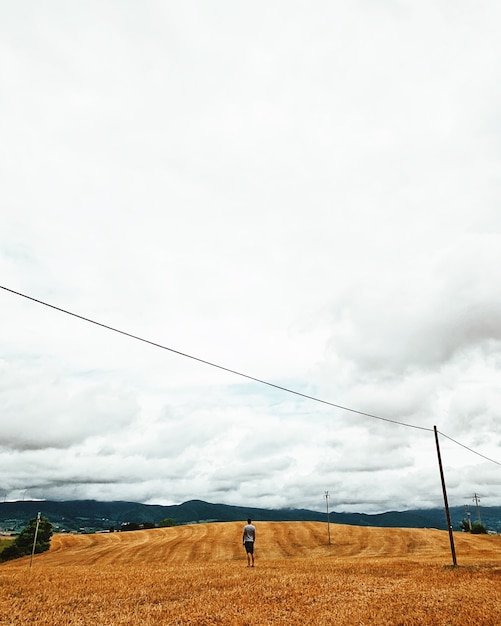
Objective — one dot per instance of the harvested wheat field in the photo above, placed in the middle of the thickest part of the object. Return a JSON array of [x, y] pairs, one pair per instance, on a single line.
[[197, 575]]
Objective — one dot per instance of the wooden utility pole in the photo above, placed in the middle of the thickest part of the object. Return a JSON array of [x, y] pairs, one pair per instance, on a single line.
[[446, 503], [35, 539], [468, 515], [476, 499], [328, 524]]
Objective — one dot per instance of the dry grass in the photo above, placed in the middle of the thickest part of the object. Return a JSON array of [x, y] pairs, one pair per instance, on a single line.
[[198, 575]]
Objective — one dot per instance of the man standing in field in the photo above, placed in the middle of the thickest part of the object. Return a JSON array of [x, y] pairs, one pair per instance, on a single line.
[[248, 539]]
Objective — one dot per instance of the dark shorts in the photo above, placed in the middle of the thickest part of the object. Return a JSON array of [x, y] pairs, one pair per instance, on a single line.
[[249, 547]]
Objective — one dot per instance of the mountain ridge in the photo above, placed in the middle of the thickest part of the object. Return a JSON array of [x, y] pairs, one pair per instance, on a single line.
[[95, 515]]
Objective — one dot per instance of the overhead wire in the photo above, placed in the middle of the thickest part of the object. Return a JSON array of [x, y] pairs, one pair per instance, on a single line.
[[236, 372], [468, 448], [211, 364]]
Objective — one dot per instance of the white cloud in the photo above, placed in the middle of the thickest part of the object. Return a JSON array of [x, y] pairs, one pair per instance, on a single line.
[[57, 411], [308, 195]]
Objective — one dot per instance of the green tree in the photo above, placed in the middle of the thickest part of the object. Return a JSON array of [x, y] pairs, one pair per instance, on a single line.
[[168, 521], [23, 543]]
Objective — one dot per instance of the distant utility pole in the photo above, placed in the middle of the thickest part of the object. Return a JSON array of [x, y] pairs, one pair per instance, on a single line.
[[476, 499], [35, 539], [328, 524], [468, 515]]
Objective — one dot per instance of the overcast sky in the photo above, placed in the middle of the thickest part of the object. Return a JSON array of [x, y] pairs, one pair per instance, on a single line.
[[304, 192]]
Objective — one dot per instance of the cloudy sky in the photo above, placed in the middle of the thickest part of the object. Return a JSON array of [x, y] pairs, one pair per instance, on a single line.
[[306, 193]]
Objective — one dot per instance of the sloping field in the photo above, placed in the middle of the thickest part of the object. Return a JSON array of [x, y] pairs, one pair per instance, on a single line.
[[276, 540], [197, 574]]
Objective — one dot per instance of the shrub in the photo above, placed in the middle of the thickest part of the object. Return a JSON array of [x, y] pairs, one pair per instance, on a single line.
[[167, 522], [478, 529]]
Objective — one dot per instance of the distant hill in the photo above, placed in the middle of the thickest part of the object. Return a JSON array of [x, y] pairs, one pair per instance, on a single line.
[[92, 515]]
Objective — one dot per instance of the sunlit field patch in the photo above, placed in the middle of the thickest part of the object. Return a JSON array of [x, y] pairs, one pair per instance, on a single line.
[[198, 575], [5, 541]]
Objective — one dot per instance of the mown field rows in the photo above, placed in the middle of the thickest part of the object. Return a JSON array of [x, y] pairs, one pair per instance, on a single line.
[[197, 575]]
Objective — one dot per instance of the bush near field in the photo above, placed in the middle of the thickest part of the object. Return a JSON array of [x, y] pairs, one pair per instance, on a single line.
[[22, 545]]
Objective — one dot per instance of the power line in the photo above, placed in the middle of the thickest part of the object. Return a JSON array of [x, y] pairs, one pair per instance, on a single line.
[[237, 373], [469, 449], [221, 367], [241, 374]]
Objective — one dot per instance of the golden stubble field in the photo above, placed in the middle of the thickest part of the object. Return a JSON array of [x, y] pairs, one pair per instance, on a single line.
[[197, 575]]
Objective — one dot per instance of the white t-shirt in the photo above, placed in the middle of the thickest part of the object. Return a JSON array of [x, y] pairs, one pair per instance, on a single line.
[[249, 532]]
